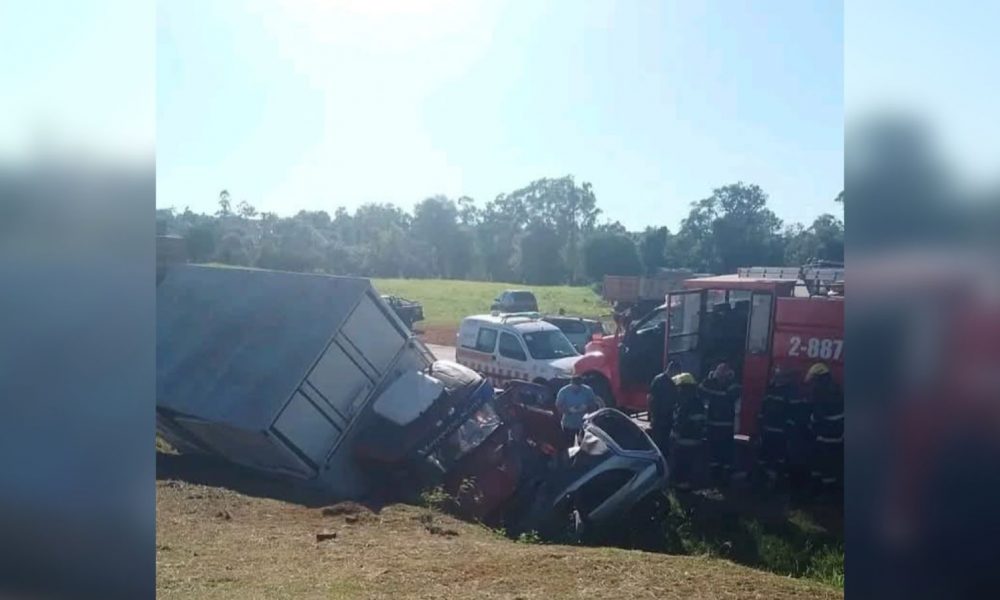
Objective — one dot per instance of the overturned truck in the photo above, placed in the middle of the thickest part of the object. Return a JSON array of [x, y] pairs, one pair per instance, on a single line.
[[315, 378], [275, 370]]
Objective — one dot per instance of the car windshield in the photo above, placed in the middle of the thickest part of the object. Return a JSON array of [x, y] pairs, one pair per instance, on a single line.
[[469, 436], [549, 344], [522, 297]]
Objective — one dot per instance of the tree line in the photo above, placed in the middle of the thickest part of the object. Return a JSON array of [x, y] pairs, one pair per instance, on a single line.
[[548, 232]]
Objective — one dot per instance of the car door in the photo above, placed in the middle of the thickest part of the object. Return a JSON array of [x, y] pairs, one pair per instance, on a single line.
[[512, 359], [757, 361], [486, 342], [641, 350], [683, 341]]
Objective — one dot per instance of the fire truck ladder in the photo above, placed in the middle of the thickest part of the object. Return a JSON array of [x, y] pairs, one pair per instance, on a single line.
[[819, 277]]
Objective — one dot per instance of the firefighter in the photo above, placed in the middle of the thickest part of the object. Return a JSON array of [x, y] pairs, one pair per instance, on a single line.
[[827, 426], [772, 423], [798, 440], [720, 395], [688, 433], [662, 401]]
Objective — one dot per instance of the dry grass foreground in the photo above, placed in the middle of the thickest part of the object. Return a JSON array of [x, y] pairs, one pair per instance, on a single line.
[[214, 542]]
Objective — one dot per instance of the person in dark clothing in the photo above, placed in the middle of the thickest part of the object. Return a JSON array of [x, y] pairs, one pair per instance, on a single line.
[[662, 401], [623, 318], [688, 433], [798, 440], [720, 394], [827, 426], [772, 423]]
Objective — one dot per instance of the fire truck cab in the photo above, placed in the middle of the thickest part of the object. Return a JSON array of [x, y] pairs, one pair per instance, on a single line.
[[754, 320]]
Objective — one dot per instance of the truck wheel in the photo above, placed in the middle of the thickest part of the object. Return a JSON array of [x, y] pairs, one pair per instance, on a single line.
[[601, 387]]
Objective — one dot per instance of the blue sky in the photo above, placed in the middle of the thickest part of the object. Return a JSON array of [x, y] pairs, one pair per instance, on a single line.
[[75, 76], [318, 104]]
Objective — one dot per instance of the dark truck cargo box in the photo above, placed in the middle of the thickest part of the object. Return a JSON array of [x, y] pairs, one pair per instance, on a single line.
[[274, 370]]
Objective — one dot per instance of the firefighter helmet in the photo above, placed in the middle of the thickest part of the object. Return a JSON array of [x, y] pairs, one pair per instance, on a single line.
[[684, 379], [816, 370]]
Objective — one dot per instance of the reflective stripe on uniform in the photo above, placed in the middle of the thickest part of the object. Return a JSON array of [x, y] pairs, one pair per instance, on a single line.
[[839, 417], [720, 423], [829, 440], [775, 429]]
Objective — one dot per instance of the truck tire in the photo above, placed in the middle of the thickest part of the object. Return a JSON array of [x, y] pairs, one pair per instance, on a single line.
[[601, 387]]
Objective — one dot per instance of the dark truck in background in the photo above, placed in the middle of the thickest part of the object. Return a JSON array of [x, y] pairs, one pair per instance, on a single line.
[[514, 301], [643, 294], [408, 311]]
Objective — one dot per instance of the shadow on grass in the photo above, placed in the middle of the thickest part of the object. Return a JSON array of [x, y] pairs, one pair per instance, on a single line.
[[800, 540]]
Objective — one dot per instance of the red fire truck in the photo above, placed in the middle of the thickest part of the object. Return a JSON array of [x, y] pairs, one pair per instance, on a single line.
[[755, 320]]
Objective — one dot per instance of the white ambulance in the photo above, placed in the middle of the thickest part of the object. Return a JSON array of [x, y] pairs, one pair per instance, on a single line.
[[504, 347]]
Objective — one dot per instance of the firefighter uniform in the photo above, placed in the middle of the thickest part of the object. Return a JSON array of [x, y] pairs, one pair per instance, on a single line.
[[827, 425], [772, 424], [720, 396], [799, 441], [688, 434], [662, 402]]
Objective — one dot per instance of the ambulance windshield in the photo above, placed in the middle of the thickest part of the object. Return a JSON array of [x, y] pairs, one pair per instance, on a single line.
[[549, 344]]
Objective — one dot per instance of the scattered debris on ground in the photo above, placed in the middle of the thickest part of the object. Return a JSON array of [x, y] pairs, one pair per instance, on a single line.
[[326, 535], [427, 520]]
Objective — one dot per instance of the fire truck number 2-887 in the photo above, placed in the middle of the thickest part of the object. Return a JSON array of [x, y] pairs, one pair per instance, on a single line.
[[815, 347]]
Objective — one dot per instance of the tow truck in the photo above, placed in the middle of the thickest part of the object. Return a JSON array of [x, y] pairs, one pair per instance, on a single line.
[[755, 320]]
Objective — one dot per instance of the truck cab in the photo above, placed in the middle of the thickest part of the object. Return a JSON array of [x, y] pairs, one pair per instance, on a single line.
[[753, 321]]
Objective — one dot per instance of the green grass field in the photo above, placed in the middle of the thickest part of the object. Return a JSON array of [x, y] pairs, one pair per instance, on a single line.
[[447, 302]]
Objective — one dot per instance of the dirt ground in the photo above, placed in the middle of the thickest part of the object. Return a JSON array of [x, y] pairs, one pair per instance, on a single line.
[[443, 335], [226, 533]]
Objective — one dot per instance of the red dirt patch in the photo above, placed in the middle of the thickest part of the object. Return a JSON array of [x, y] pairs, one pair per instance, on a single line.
[[438, 334]]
